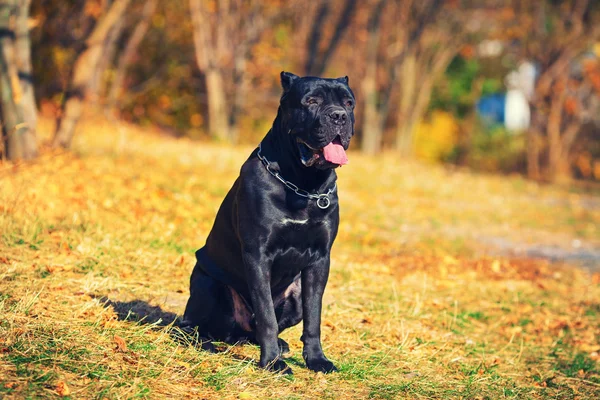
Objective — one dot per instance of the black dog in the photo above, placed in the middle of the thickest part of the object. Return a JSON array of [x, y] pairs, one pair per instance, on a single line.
[[266, 260]]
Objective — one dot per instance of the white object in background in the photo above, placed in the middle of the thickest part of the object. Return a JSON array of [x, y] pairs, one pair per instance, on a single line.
[[517, 114], [527, 74], [521, 86]]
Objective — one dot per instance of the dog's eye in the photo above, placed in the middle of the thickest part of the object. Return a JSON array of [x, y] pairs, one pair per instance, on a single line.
[[349, 103], [311, 101]]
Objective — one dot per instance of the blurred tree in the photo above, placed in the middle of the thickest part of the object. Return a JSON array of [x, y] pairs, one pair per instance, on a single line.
[[58, 37], [224, 33], [86, 65], [431, 34], [129, 51], [561, 32], [23, 57], [320, 51], [419, 40], [372, 131], [98, 83], [17, 102], [394, 52]]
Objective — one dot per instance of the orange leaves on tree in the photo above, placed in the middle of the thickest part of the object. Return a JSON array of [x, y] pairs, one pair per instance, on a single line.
[[571, 105], [93, 8]]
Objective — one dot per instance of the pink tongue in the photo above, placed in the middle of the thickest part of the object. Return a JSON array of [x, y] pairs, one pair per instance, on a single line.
[[334, 153]]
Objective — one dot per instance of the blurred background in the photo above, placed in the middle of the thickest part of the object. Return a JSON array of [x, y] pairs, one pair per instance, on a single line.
[[508, 86]]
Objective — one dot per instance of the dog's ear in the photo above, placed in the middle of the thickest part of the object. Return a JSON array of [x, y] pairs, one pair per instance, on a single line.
[[287, 80], [344, 80]]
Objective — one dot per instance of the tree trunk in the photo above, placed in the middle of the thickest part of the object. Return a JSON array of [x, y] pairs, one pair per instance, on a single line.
[[23, 58], [241, 80], [562, 170], [97, 84], [414, 106], [372, 131], [19, 140], [553, 132], [559, 143], [562, 161], [217, 110], [208, 46], [83, 72], [129, 52], [404, 127], [533, 149], [373, 125], [317, 61]]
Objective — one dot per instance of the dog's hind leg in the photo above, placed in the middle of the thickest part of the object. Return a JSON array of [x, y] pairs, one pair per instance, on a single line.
[[208, 313]]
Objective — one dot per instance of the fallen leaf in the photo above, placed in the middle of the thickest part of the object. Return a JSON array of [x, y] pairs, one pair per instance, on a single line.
[[330, 325], [121, 345], [62, 389], [245, 396], [65, 247]]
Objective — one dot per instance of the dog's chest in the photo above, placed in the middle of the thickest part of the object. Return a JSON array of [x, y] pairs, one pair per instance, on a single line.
[[300, 240]]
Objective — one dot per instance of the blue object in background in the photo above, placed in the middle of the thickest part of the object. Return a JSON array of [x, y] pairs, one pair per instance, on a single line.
[[490, 109]]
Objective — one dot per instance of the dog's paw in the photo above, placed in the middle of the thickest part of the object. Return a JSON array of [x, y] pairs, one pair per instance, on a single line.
[[321, 365], [278, 366]]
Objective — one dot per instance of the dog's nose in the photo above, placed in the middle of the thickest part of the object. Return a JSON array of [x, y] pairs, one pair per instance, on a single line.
[[338, 117]]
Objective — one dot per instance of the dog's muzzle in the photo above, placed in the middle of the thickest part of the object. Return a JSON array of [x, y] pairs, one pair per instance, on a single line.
[[332, 155]]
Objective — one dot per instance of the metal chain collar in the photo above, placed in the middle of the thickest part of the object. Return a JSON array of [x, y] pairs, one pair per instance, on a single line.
[[323, 201]]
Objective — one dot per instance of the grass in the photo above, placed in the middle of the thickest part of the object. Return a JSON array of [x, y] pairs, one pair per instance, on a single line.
[[96, 248]]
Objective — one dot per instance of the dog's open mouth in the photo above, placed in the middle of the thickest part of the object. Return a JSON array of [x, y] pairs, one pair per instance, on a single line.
[[332, 153]]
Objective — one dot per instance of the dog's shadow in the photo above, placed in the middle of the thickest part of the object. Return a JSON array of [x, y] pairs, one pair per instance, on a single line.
[[143, 313]]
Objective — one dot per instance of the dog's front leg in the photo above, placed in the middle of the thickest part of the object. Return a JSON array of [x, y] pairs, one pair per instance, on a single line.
[[259, 283], [314, 279]]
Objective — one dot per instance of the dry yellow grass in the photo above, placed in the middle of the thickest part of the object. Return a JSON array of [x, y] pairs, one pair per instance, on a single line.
[[96, 248]]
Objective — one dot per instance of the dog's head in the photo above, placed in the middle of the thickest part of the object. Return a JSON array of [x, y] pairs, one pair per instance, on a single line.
[[319, 114]]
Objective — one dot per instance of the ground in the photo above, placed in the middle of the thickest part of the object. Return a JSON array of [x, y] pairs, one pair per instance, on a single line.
[[435, 291]]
